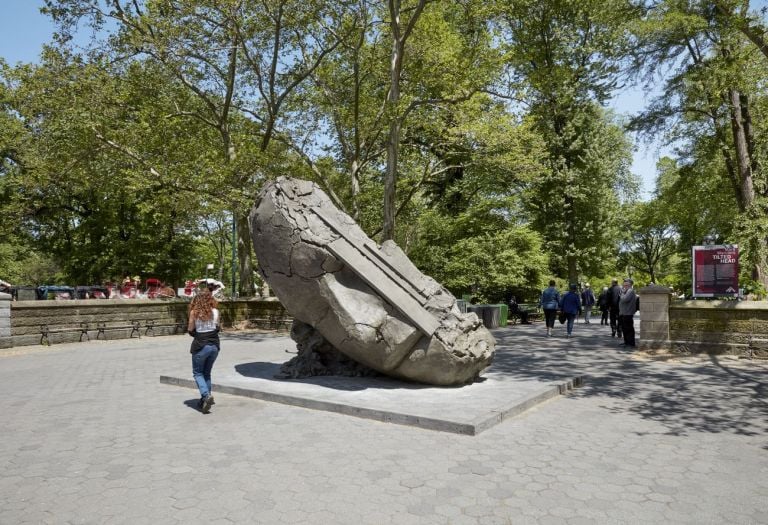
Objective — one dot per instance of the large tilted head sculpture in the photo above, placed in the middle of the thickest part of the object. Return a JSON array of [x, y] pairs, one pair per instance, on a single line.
[[368, 301]]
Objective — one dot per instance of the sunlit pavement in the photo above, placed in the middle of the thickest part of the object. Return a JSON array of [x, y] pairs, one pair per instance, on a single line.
[[92, 436]]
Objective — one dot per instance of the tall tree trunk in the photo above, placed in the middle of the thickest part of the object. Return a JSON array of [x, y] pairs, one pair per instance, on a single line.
[[570, 242], [399, 37], [393, 141], [244, 248], [743, 160], [390, 181], [355, 181], [242, 237], [747, 164]]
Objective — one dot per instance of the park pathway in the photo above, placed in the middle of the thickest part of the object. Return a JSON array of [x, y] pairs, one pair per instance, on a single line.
[[91, 436]]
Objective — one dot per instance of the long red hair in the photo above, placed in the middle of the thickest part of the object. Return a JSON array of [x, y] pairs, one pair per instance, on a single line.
[[202, 305]]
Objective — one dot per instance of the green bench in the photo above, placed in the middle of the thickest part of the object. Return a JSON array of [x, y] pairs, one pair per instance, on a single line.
[[532, 309]]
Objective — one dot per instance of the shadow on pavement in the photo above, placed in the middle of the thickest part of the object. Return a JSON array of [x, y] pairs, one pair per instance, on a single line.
[[708, 396], [193, 404], [266, 370]]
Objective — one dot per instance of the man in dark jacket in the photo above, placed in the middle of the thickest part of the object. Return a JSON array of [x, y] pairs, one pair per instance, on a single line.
[[627, 309], [602, 303], [614, 295], [587, 301]]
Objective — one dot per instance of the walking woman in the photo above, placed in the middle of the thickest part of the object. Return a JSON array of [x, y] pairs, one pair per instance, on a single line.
[[203, 325], [570, 305], [549, 302]]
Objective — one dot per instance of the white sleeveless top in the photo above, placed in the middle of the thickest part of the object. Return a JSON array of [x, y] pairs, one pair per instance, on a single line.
[[209, 325]]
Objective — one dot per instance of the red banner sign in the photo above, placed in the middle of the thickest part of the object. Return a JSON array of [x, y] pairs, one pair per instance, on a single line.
[[715, 270]]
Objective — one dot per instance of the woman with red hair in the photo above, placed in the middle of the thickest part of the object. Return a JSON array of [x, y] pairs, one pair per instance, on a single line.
[[203, 325]]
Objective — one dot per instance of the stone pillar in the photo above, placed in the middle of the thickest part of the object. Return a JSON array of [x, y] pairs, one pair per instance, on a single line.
[[654, 317], [5, 320]]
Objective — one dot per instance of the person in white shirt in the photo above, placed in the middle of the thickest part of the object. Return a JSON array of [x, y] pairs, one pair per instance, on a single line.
[[203, 325]]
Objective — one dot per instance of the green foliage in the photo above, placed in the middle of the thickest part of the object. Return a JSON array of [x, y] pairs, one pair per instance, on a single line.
[[565, 55], [105, 182], [713, 106], [479, 250], [138, 156], [576, 204], [753, 289], [650, 240], [21, 265]]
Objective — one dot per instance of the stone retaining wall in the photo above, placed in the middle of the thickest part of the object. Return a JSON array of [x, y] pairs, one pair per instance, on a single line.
[[719, 327], [26, 317]]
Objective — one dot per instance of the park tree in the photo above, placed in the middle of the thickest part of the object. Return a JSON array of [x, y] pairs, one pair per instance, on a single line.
[[400, 30], [651, 239], [713, 104], [100, 182], [471, 230], [691, 205], [564, 61], [350, 101], [238, 57], [429, 76]]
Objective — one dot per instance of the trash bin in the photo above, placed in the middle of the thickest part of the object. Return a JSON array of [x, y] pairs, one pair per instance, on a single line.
[[491, 314], [24, 293], [488, 313], [503, 314], [477, 309]]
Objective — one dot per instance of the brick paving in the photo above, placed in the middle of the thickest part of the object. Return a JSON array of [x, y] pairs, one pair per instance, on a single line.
[[91, 436]]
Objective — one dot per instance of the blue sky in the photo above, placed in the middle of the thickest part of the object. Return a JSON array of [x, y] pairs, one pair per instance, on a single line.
[[23, 30]]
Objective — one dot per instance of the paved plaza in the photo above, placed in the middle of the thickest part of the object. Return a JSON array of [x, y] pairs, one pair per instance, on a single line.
[[91, 435]]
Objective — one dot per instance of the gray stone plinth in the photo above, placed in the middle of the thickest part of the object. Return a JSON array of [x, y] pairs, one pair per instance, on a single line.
[[469, 410], [654, 317], [5, 320]]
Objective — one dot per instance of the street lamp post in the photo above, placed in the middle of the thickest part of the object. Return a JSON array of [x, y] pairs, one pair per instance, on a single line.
[[208, 267]]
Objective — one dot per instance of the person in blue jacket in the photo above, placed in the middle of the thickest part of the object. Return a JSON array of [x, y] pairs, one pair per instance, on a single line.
[[550, 302], [570, 304]]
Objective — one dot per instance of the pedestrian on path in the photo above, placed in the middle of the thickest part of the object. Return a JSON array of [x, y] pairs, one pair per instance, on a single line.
[[203, 325], [570, 305], [627, 309], [550, 302], [614, 294], [602, 303], [587, 301]]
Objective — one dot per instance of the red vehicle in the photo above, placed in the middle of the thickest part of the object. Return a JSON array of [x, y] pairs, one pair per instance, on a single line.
[[128, 290], [189, 288], [154, 286]]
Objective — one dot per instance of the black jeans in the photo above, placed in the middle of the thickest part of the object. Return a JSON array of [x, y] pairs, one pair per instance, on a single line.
[[628, 328], [615, 324], [549, 317]]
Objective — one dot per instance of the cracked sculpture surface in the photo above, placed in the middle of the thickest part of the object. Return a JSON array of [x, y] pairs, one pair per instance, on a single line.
[[366, 301]]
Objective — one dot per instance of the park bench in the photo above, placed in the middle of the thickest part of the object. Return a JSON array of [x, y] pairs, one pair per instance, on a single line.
[[102, 328], [533, 311], [150, 325], [46, 331]]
